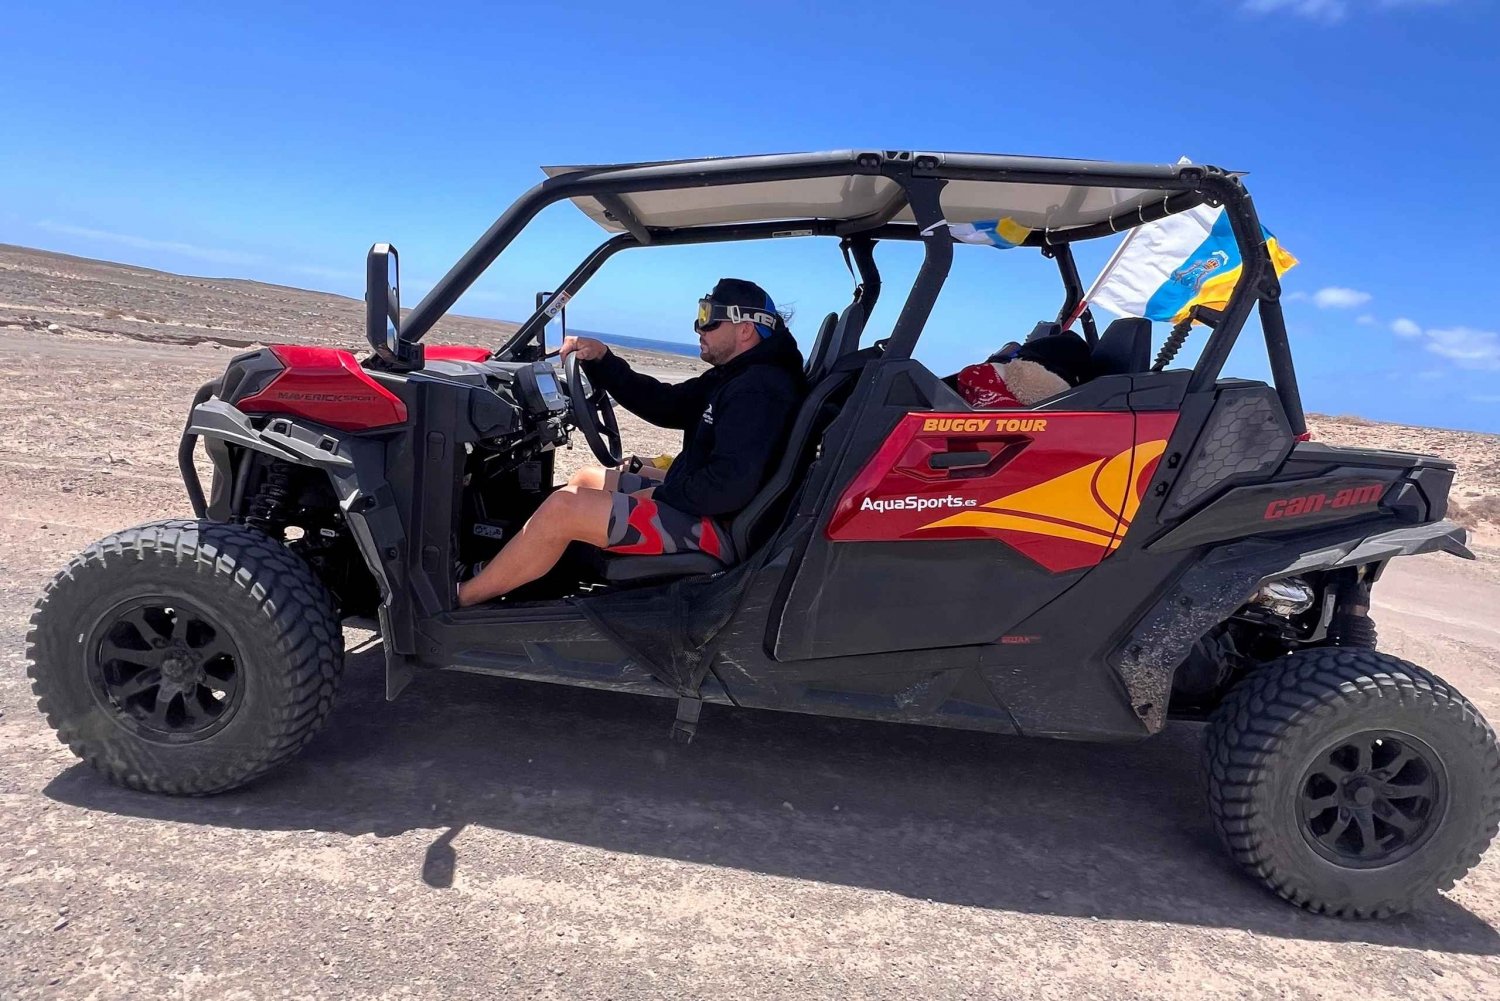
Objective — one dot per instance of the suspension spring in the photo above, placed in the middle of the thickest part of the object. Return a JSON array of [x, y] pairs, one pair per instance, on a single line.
[[270, 508], [1173, 344]]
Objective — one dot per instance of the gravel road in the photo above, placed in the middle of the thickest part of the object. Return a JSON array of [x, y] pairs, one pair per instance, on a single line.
[[480, 838]]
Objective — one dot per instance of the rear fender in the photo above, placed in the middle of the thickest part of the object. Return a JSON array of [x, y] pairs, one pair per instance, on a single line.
[[1226, 576], [1438, 537], [355, 467]]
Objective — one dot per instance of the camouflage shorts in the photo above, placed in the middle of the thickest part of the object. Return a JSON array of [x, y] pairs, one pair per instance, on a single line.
[[640, 526], [627, 483]]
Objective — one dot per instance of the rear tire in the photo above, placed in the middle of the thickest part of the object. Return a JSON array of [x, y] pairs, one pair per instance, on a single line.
[[185, 657], [1351, 782]]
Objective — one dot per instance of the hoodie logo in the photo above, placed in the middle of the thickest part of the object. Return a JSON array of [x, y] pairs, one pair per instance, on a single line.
[[708, 415]]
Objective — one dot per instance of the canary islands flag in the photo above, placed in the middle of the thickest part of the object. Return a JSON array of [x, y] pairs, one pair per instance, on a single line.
[[1003, 233], [1165, 268]]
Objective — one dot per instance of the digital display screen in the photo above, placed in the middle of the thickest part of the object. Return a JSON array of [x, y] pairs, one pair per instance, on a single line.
[[547, 383]]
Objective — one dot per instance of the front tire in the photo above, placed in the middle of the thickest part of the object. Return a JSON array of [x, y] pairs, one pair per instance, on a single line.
[[185, 657], [1352, 782]]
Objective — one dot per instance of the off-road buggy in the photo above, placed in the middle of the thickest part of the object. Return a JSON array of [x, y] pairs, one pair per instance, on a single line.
[[1158, 543]]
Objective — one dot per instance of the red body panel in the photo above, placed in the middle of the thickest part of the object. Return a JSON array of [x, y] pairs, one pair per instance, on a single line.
[[326, 385], [456, 352], [1059, 488], [1150, 427]]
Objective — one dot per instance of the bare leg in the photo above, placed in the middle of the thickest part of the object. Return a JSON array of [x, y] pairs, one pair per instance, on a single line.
[[569, 514], [591, 477]]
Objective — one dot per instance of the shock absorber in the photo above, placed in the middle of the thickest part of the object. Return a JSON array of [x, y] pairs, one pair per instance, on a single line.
[[1351, 624], [270, 507]]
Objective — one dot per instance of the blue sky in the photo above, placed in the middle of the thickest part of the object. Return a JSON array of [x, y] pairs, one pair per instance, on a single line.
[[275, 142]]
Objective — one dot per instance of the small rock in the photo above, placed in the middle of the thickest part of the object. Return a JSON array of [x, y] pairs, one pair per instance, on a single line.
[[54, 328], [1045, 894], [786, 806], [68, 488], [61, 924]]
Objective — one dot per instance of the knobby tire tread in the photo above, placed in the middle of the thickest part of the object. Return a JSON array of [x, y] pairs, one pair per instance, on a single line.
[[297, 608], [1247, 727]]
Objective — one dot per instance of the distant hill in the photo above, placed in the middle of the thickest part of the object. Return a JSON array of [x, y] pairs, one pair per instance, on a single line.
[[41, 288]]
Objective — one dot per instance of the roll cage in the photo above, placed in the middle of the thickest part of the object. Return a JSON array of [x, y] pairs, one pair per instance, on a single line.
[[919, 181]]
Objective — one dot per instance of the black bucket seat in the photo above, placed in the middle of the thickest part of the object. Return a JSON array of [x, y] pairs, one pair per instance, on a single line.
[[1123, 348]]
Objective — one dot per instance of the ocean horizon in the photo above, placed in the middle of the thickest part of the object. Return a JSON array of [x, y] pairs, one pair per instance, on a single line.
[[643, 343]]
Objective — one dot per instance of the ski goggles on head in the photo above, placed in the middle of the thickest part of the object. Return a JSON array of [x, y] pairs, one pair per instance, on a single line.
[[711, 314]]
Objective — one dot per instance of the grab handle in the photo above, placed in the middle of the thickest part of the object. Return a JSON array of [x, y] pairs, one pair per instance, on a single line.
[[959, 460]]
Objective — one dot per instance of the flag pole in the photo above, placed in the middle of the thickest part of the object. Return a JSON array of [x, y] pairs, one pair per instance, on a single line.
[[1103, 275]]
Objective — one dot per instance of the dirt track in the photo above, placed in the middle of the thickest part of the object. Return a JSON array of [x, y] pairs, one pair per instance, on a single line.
[[483, 838]]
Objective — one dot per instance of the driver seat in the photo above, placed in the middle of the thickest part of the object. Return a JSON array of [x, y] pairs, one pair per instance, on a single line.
[[817, 358], [748, 528]]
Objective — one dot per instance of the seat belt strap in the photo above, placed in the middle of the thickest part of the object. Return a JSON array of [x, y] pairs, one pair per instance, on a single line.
[[859, 286]]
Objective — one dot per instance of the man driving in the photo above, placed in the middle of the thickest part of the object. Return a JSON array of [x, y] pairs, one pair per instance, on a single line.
[[735, 418]]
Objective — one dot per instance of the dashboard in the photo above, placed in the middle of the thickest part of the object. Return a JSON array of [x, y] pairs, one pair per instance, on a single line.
[[533, 392], [543, 378]]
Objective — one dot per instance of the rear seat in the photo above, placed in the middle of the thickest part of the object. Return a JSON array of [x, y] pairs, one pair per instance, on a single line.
[[1123, 348]]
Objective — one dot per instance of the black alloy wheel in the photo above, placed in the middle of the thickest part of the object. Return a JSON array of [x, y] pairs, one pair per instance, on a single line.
[[1372, 799], [1352, 782], [185, 657], [166, 670]]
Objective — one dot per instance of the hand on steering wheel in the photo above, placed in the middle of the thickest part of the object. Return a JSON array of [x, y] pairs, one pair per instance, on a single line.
[[593, 414]]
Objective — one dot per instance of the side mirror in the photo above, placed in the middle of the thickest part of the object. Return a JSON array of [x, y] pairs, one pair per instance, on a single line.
[[558, 310], [383, 310]]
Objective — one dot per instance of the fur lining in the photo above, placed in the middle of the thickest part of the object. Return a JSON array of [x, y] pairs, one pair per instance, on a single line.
[[1029, 381]]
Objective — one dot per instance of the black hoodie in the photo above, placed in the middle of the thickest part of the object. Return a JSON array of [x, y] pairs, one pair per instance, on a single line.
[[735, 418]]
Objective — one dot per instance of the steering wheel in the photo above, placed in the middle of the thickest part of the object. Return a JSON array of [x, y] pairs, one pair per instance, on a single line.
[[593, 413]]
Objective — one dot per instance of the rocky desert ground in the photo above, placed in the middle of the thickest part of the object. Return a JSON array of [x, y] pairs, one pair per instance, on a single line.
[[489, 839]]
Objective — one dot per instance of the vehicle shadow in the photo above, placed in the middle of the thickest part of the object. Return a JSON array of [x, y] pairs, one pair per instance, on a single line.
[[1114, 831]]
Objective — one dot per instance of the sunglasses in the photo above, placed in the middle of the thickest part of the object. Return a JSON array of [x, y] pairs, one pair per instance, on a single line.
[[711, 314]]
